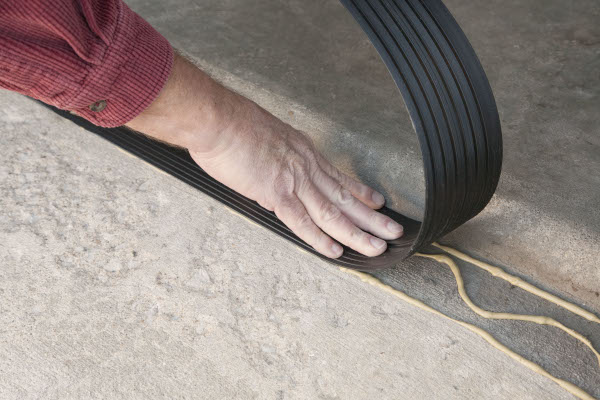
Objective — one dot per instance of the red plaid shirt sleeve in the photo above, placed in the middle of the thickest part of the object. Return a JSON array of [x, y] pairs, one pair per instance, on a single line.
[[95, 57]]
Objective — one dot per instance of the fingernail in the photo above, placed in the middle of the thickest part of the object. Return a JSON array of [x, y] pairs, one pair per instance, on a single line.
[[377, 243], [394, 227], [337, 249], [378, 198]]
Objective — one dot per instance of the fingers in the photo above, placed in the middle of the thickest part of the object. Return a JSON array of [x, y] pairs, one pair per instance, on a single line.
[[292, 213], [332, 221], [357, 212], [362, 192], [321, 205]]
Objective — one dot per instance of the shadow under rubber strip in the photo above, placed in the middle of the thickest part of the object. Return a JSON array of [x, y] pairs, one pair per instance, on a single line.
[[452, 109]]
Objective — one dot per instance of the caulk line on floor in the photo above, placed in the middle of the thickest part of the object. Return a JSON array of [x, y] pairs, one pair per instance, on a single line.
[[497, 272]]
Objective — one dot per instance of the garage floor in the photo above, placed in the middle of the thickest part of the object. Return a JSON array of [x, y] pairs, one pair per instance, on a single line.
[[117, 281]]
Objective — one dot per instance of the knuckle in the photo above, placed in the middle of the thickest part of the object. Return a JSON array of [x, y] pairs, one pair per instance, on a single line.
[[384, 221], [344, 196], [303, 220], [303, 140], [283, 184], [310, 155], [282, 204], [300, 172], [298, 164], [358, 188], [329, 212], [378, 218], [358, 236], [336, 174]]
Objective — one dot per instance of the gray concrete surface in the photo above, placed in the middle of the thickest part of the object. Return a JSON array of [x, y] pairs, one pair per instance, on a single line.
[[117, 281], [313, 67], [120, 282]]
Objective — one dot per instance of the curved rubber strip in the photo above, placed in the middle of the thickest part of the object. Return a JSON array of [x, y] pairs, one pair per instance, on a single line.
[[452, 109]]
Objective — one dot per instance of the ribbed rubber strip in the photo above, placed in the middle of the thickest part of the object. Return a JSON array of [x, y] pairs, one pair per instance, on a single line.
[[452, 109]]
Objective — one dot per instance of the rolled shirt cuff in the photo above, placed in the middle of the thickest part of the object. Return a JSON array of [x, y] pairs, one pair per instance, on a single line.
[[135, 68]]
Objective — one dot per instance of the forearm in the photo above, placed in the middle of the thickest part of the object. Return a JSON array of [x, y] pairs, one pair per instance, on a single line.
[[122, 71], [192, 110]]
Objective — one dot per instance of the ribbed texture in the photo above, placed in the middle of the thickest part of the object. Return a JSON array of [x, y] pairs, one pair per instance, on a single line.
[[449, 101], [178, 163], [452, 108], [71, 54]]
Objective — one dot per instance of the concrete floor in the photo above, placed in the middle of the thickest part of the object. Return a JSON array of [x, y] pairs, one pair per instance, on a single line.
[[116, 279]]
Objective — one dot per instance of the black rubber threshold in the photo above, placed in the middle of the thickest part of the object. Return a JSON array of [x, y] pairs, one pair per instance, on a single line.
[[452, 109]]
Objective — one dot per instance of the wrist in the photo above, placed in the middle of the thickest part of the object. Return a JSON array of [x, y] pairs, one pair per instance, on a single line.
[[192, 110]]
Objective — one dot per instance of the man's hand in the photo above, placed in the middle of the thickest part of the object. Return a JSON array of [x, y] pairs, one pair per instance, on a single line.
[[251, 151]]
